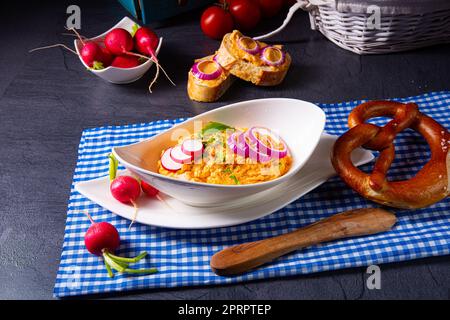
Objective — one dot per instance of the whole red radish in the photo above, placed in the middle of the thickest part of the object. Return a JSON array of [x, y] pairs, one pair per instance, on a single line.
[[101, 236], [148, 189], [102, 239], [94, 55], [119, 41], [91, 52], [146, 42], [125, 189], [107, 57], [125, 62], [153, 193]]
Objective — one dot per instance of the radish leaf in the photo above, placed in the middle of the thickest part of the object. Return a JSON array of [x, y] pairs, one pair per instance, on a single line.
[[113, 164], [134, 28], [97, 65]]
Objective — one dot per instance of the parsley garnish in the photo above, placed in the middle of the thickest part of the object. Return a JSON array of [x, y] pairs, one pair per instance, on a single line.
[[215, 126], [236, 181], [227, 170]]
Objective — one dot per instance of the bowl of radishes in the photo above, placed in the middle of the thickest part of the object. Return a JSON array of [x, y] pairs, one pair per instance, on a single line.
[[117, 55]]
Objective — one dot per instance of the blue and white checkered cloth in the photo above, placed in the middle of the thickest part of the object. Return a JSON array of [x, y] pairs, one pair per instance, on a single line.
[[182, 256]]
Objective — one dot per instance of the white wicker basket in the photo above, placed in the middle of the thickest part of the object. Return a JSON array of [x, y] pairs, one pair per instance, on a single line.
[[404, 24]]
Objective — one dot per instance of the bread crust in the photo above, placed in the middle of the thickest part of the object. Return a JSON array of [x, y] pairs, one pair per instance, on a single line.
[[207, 91], [261, 75]]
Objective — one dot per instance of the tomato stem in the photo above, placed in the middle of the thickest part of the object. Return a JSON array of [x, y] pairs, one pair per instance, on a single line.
[[224, 5]]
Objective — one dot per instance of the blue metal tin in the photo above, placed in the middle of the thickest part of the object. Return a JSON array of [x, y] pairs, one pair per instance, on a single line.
[[155, 10]]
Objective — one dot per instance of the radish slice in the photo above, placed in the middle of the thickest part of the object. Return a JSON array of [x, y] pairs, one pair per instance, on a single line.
[[192, 147], [179, 156], [271, 144], [168, 163]]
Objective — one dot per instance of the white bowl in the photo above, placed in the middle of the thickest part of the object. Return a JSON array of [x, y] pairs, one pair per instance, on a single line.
[[298, 122], [119, 75]]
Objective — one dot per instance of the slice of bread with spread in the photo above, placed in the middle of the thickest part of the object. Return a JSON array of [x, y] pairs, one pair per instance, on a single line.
[[207, 80], [253, 60]]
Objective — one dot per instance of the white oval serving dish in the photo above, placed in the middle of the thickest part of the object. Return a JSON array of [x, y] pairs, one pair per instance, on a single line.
[[119, 75], [174, 214], [298, 122]]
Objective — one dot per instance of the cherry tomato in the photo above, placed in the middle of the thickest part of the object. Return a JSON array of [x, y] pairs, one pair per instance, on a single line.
[[270, 8], [246, 13], [216, 22]]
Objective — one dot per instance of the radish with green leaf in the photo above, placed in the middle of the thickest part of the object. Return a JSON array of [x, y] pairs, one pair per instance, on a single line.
[[102, 239], [95, 56], [125, 189]]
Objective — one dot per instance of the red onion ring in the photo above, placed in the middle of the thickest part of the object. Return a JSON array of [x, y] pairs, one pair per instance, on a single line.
[[270, 62], [254, 50], [237, 143], [206, 76], [261, 145], [254, 152]]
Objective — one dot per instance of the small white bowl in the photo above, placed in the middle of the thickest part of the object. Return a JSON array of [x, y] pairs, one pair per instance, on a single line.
[[119, 75], [298, 122]]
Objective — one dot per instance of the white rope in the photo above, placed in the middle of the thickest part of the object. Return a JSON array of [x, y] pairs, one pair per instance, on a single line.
[[300, 4]]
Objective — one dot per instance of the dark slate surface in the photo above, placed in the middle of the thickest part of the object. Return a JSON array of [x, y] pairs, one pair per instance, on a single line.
[[47, 99]]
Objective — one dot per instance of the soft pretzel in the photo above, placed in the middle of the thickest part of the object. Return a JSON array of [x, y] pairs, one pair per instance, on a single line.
[[431, 184]]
